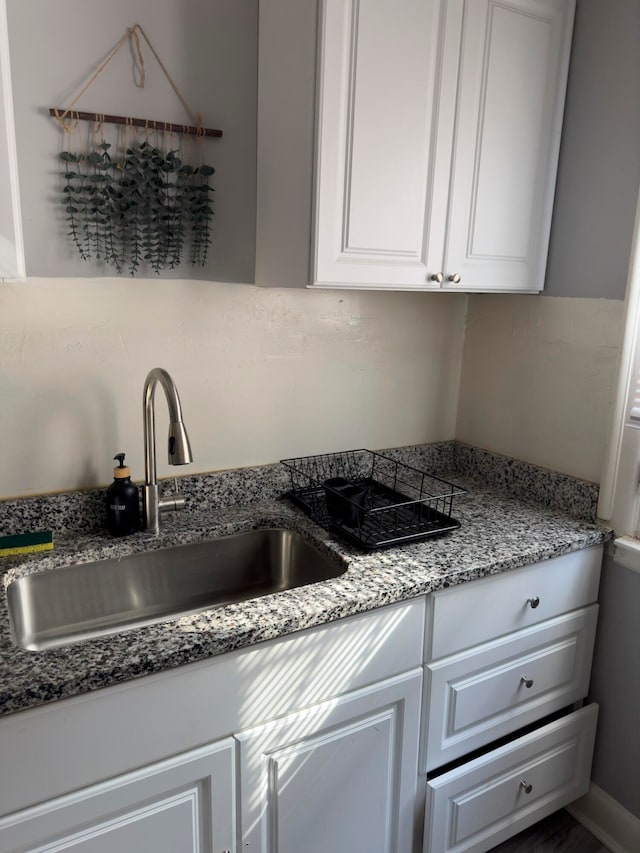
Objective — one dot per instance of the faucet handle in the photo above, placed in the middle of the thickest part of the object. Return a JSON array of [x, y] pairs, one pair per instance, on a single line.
[[171, 502]]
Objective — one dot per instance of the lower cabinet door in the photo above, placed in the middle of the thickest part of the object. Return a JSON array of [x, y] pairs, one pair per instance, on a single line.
[[181, 805], [339, 777], [491, 798]]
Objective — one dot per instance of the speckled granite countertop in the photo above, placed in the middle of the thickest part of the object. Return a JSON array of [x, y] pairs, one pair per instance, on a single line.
[[499, 531]]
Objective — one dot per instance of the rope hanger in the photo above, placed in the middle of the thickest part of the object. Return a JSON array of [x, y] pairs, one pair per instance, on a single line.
[[195, 129]]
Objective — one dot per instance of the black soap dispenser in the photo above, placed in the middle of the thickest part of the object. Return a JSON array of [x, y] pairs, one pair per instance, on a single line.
[[123, 504]]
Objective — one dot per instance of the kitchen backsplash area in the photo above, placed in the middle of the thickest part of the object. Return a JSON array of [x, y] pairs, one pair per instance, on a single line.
[[83, 511]]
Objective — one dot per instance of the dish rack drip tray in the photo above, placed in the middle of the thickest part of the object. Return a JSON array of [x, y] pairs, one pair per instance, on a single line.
[[370, 499]]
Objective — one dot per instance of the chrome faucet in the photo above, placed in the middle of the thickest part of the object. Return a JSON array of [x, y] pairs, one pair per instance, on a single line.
[[178, 447]]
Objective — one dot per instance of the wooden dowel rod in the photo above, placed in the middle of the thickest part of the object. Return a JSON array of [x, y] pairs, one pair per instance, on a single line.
[[135, 122]]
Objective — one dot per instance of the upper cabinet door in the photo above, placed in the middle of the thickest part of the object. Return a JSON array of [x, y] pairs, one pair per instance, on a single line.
[[512, 81], [11, 248], [386, 79], [437, 137]]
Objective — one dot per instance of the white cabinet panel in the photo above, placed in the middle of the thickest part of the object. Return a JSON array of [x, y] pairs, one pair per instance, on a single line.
[[493, 797], [185, 804], [380, 70], [509, 116], [473, 613], [382, 215], [11, 247], [477, 696], [341, 776]]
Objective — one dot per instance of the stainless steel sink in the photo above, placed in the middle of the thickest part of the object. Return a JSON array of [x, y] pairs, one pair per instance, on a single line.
[[79, 602]]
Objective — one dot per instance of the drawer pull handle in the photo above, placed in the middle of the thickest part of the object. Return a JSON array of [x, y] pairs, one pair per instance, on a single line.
[[526, 787], [533, 602], [528, 682]]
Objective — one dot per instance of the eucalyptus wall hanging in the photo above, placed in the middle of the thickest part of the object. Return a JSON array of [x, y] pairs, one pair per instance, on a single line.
[[140, 198]]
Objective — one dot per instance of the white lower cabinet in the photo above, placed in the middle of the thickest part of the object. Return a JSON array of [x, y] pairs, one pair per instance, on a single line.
[[325, 739], [183, 805], [508, 657], [341, 776], [308, 742], [491, 798]]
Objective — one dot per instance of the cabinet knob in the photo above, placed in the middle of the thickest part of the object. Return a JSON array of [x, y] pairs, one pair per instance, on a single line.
[[528, 682], [455, 278], [526, 787], [533, 602], [437, 276]]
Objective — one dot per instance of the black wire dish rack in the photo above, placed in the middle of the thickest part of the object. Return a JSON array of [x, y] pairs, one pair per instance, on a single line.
[[370, 499]]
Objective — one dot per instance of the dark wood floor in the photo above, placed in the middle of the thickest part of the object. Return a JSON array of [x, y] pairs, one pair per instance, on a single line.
[[558, 833]]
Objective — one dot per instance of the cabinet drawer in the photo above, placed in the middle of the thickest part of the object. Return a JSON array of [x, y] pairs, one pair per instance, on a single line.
[[491, 798], [480, 695], [479, 611]]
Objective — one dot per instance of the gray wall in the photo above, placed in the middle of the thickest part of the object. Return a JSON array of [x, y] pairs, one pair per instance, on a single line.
[[599, 170], [615, 685], [591, 235], [210, 49]]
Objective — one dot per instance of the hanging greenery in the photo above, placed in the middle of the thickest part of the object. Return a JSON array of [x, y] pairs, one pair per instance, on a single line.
[[144, 204], [137, 209]]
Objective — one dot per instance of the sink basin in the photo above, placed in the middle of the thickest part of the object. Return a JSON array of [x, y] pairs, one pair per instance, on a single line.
[[88, 600]]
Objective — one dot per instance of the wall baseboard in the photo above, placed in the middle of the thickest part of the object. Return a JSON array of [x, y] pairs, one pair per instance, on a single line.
[[604, 817]]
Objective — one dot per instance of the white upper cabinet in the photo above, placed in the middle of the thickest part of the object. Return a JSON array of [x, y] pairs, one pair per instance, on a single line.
[[11, 248], [437, 135]]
